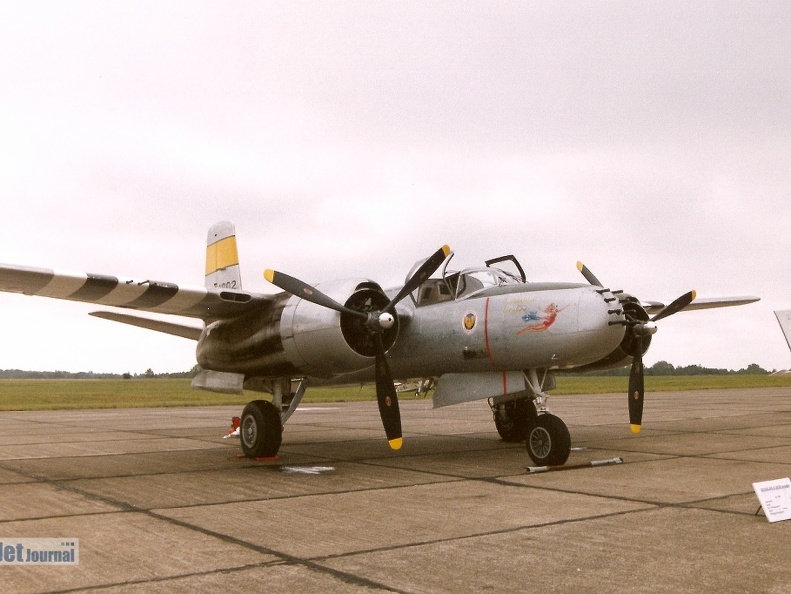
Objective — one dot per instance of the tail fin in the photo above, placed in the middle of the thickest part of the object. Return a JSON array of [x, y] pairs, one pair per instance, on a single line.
[[784, 318], [222, 259]]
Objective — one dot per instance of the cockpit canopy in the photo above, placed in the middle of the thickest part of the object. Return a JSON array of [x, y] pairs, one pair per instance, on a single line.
[[457, 286]]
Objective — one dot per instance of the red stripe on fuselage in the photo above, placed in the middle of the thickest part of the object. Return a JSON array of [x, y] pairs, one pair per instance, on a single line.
[[486, 335], [488, 346]]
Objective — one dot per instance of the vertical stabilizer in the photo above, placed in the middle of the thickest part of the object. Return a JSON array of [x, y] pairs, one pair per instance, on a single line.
[[784, 317], [222, 259]]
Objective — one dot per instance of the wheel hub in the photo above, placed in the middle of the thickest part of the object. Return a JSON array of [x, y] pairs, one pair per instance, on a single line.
[[540, 442], [249, 431]]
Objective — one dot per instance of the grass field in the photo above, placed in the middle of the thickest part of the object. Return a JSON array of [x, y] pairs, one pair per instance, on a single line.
[[136, 393]]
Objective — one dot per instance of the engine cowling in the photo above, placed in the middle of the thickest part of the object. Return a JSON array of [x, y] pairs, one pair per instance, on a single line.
[[293, 337], [321, 342], [622, 356]]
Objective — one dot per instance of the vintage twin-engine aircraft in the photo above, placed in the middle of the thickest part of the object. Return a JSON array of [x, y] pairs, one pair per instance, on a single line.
[[480, 333]]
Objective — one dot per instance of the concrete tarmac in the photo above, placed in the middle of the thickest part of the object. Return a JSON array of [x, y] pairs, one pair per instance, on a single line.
[[161, 502]]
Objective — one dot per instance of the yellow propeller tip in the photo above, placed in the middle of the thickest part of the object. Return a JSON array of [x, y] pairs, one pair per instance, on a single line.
[[269, 274], [694, 295], [396, 443], [580, 265], [445, 250], [635, 429]]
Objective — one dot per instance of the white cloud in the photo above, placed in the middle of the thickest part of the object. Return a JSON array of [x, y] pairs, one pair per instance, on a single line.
[[353, 139]]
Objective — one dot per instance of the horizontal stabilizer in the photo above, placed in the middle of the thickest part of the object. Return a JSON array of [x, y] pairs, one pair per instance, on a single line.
[[183, 330]]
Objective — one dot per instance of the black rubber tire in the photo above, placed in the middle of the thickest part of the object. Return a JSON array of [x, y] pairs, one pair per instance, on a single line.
[[548, 441], [260, 430], [513, 418]]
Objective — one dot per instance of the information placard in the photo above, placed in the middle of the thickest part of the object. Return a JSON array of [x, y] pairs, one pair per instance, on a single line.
[[775, 498]]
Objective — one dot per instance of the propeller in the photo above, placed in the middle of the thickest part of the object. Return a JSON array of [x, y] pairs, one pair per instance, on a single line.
[[640, 329], [375, 322], [637, 372]]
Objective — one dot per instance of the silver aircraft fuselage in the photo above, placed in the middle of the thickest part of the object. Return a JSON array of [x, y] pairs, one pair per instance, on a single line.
[[514, 327]]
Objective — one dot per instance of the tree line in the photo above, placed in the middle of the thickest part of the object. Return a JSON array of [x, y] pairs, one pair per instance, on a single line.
[[658, 368], [147, 374], [665, 368]]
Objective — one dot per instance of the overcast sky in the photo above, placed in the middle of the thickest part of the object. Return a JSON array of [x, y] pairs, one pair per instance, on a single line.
[[652, 141]]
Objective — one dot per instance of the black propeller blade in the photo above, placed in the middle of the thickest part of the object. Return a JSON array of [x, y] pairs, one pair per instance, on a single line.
[[376, 323], [637, 373], [636, 387], [304, 291], [589, 276], [640, 329], [386, 397], [421, 274], [676, 306]]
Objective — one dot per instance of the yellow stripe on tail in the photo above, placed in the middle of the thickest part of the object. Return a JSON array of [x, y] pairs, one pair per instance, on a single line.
[[222, 258], [221, 255]]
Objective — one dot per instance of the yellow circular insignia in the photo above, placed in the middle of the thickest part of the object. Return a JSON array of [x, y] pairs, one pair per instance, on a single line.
[[470, 320]]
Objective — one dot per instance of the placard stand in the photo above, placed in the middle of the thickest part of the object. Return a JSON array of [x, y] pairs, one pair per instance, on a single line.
[[775, 498]]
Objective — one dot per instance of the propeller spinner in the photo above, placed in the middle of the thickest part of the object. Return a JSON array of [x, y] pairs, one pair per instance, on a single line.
[[640, 328], [375, 322]]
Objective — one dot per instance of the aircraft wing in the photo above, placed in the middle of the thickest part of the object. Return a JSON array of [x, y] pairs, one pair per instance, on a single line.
[[183, 330], [141, 295], [654, 307]]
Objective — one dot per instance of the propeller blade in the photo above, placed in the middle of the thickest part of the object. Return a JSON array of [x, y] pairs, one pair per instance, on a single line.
[[421, 274], [304, 291], [676, 306], [589, 276], [386, 397], [636, 389]]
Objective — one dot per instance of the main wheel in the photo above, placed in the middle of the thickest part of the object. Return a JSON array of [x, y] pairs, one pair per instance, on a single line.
[[260, 430], [513, 418], [548, 441]]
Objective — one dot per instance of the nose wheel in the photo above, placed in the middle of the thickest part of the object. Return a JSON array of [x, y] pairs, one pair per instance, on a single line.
[[548, 441]]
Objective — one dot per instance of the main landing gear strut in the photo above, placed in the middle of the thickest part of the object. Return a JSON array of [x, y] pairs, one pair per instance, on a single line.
[[545, 435]]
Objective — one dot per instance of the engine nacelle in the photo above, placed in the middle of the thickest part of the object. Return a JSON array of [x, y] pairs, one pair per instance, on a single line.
[[622, 356], [294, 337], [321, 342]]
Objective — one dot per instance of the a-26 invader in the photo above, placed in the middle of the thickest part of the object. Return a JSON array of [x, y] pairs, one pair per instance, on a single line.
[[478, 333]]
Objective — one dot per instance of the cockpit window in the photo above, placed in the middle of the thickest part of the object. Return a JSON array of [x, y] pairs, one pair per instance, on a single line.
[[434, 290], [463, 285], [475, 280]]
